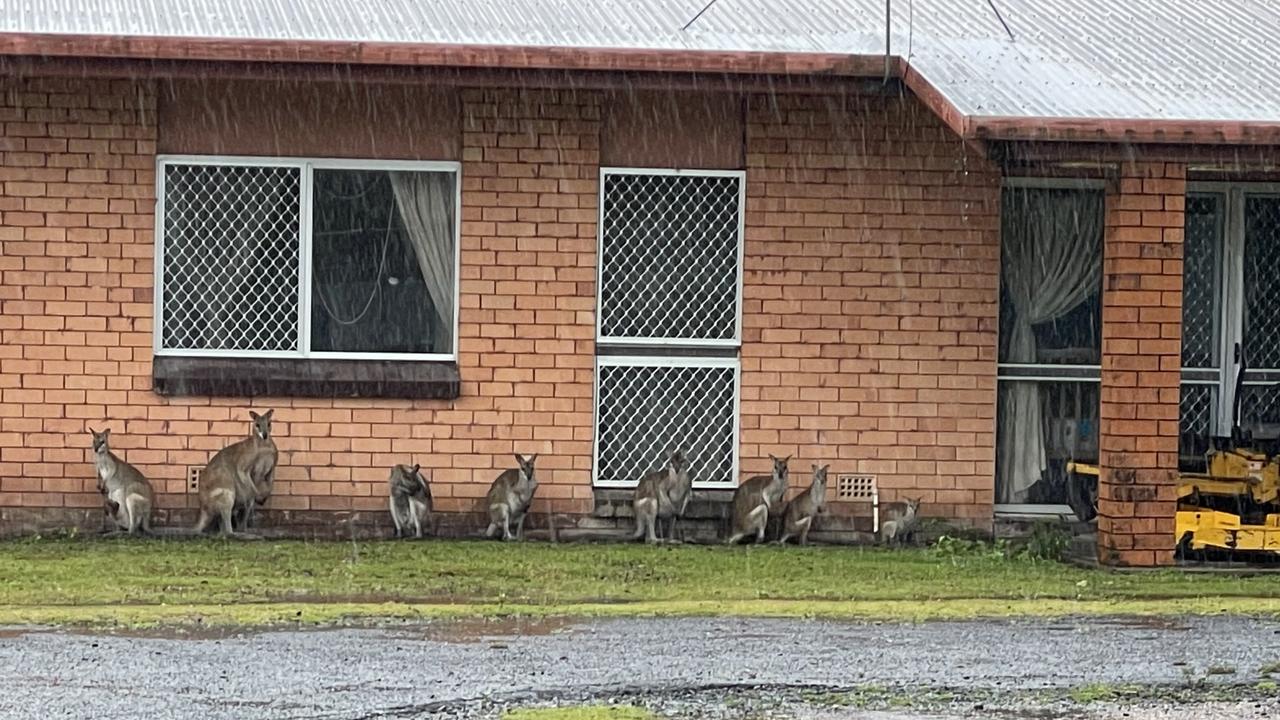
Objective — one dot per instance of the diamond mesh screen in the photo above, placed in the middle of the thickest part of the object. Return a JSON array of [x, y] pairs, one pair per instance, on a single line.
[[1200, 281], [669, 257], [1259, 405], [231, 253], [647, 411], [1261, 289], [1196, 408]]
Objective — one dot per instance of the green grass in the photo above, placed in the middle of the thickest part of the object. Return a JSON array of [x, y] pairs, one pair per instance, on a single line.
[[217, 582], [584, 712]]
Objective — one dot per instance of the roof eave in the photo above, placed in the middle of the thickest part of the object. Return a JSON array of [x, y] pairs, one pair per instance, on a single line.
[[440, 55], [976, 130], [1122, 130]]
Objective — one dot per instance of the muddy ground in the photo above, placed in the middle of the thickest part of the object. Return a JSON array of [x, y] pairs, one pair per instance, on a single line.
[[684, 668]]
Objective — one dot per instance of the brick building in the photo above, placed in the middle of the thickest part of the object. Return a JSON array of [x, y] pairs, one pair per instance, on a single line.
[[443, 242]]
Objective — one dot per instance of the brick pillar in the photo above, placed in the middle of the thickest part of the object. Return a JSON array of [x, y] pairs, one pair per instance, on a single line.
[[530, 172], [1141, 360]]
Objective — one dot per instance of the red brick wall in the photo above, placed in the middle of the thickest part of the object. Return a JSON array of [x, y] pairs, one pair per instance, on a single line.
[[1141, 363], [78, 174], [871, 298], [78, 200], [869, 328]]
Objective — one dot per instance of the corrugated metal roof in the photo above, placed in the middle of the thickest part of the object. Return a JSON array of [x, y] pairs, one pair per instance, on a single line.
[[1192, 60]]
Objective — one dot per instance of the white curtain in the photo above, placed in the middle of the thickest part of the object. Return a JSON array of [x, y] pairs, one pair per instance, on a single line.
[[426, 206], [1051, 262]]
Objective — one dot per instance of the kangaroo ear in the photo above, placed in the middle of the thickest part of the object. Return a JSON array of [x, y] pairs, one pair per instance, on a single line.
[[253, 415], [532, 458], [416, 467], [267, 415], [106, 433]]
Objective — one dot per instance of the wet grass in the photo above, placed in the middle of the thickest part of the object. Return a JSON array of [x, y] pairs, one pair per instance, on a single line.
[[95, 580], [1102, 692], [1045, 703]]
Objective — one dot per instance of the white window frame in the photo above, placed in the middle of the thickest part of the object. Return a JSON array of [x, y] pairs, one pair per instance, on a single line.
[[306, 167], [666, 361], [1038, 373], [1230, 300], [653, 346], [736, 340]]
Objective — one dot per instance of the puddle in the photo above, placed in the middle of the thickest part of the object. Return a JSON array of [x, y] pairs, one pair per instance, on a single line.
[[1151, 623], [16, 632], [173, 632], [479, 630]]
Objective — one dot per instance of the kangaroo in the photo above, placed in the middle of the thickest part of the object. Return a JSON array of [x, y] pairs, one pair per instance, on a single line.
[[755, 499], [509, 497], [662, 494], [901, 525], [410, 499], [801, 511], [128, 495], [238, 477]]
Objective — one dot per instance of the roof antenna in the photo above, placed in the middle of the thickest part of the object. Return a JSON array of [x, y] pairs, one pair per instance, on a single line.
[[694, 19], [888, 36], [995, 10]]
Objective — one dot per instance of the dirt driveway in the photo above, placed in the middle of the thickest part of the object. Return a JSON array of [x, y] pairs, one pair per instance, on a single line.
[[692, 667]]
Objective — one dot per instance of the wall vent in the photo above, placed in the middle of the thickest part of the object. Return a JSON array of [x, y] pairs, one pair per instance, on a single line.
[[855, 487], [193, 479]]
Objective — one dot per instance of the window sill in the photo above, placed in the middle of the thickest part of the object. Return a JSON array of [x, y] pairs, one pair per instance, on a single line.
[[315, 378]]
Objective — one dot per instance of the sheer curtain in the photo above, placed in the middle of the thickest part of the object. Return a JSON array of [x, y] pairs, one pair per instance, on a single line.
[[426, 205], [1051, 260]]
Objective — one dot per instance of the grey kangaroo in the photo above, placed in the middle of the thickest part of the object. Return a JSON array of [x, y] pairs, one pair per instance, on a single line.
[[238, 477], [903, 520], [410, 499], [662, 494], [509, 497], [801, 511], [127, 494], [755, 500]]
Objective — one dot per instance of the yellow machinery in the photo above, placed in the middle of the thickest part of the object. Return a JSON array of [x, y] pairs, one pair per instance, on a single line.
[[1234, 506]]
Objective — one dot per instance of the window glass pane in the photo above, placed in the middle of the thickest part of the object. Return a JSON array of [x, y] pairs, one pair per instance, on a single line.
[[1195, 421], [231, 247], [1260, 409], [383, 261], [1051, 273], [1040, 426], [669, 257], [1261, 289], [646, 412], [1201, 277]]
